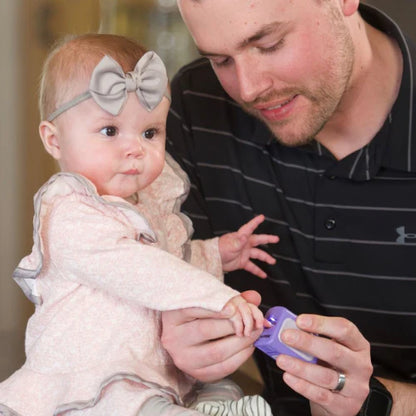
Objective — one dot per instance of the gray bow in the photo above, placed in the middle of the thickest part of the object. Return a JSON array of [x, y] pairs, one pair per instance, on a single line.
[[109, 85]]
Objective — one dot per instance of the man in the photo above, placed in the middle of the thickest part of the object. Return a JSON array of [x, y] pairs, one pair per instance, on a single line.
[[304, 112]]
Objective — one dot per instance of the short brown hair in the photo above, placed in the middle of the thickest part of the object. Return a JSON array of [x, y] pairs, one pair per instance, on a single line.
[[73, 60]]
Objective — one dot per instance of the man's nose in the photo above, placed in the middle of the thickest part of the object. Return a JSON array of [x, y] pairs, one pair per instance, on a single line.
[[252, 81]]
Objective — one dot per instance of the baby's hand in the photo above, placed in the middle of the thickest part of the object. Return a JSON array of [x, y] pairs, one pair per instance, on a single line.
[[236, 249], [246, 318]]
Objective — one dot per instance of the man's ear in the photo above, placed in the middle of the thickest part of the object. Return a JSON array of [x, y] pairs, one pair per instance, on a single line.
[[49, 134], [349, 7]]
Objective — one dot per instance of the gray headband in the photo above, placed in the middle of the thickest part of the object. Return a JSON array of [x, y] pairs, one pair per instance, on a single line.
[[109, 85]]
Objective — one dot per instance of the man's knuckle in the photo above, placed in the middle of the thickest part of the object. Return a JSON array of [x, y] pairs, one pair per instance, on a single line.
[[337, 353], [346, 329], [216, 354], [228, 367], [166, 340], [323, 397], [329, 379], [205, 331], [367, 345], [180, 362]]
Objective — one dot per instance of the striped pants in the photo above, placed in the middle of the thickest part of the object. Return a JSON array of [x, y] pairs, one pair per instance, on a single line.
[[215, 399]]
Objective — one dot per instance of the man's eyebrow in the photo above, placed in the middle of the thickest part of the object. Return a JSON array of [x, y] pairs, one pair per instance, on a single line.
[[261, 33], [258, 35]]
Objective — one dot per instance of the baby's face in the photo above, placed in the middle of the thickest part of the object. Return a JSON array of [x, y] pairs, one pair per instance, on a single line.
[[120, 154]]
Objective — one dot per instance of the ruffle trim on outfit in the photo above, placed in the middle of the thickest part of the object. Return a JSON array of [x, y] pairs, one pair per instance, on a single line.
[[85, 404], [6, 411], [168, 191], [144, 390]]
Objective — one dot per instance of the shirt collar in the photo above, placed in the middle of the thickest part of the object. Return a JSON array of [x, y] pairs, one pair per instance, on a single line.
[[394, 146], [400, 150]]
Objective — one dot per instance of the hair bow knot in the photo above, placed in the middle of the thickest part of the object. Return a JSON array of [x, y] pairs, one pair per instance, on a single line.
[[109, 85]]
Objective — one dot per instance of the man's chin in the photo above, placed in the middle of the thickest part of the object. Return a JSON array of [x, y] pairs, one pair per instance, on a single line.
[[290, 138], [293, 142]]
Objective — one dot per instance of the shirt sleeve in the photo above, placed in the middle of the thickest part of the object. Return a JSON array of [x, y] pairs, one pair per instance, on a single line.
[[90, 247]]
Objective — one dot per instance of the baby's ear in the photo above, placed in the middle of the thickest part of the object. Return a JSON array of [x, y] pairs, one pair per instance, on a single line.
[[49, 135]]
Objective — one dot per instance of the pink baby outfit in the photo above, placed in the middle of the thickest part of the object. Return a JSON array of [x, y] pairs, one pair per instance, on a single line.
[[99, 274]]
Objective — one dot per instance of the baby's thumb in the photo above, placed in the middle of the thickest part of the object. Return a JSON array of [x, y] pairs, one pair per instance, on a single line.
[[228, 310]]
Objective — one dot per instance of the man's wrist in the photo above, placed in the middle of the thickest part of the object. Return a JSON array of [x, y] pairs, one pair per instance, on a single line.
[[378, 402]]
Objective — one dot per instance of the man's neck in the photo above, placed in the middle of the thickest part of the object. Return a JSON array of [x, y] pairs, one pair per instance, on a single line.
[[371, 93]]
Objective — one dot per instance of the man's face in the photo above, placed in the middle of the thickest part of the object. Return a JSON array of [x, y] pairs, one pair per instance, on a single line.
[[287, 62]]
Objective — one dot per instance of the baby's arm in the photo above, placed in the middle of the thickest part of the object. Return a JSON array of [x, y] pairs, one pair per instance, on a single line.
[[101, 252], [236, 249]]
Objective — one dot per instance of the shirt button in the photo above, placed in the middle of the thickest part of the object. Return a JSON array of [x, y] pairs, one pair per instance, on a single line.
[[330, 223]]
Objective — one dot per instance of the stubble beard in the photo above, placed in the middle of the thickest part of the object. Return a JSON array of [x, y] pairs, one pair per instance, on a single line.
[[302, 130], [323, 100]]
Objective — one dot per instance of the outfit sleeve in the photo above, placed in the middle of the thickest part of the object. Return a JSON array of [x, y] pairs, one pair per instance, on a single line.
[[102, 251], [206, 256]]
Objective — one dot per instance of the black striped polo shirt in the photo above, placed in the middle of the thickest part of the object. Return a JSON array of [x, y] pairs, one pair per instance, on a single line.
[[347, 228]]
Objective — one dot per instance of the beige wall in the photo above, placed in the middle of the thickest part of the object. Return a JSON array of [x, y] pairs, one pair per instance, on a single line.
[[27, 29], [10, 165]]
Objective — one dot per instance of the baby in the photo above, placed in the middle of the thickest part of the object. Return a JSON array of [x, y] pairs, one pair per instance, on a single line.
[[112, 250]]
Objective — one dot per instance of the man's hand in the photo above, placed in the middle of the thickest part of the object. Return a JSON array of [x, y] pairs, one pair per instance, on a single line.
[[340, 349], [203, 343]]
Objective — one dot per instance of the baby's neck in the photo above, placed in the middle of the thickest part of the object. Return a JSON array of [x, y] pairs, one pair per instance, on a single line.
[[133, 199]]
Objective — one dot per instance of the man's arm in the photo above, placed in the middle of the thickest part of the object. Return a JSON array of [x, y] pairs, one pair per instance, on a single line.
[[404, 397]]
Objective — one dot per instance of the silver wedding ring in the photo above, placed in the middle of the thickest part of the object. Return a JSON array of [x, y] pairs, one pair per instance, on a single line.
[[341, 383]]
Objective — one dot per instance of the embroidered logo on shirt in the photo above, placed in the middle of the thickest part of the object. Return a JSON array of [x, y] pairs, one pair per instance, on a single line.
[[403, 236]]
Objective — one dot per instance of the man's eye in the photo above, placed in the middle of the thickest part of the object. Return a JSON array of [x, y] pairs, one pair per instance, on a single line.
[[109, 131], [276, 46], [220, 62], [149, 133]]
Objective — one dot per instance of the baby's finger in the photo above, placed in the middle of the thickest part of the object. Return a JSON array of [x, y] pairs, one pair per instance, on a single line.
[[261, 239], [258, 254], [249, 227], [257, 316], [246, 313], [254, 269], [238, 323]]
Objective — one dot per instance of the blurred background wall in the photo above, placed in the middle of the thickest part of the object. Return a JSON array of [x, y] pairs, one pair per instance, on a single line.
[[28, 28]]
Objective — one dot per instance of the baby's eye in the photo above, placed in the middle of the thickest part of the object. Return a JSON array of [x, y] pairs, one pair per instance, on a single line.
[[109, 131], [149, 133]]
